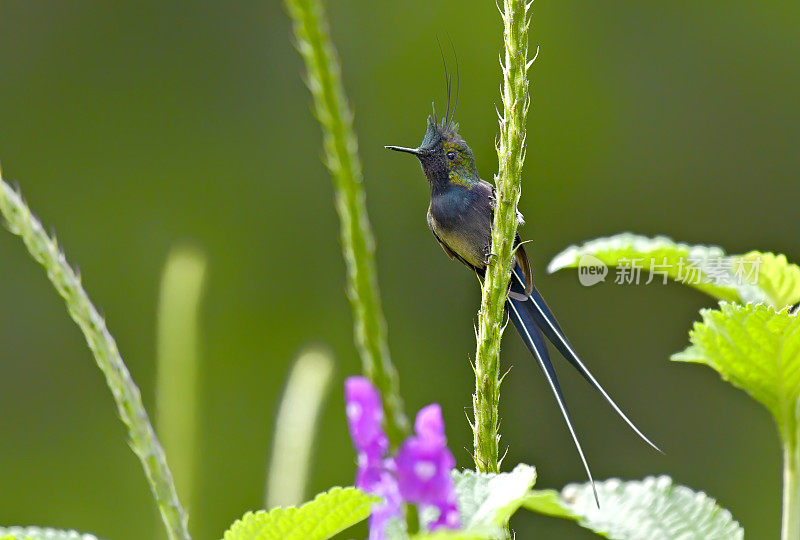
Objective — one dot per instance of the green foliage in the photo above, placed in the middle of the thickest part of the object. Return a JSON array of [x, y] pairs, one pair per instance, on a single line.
[[706, 268], [777, 277], [41, 533], [548, 502], [329, 513], [296, 426], [755, 348], [358, 244], [178, 345], [65, 280], [650, 508], [486, 499], [508, 181]]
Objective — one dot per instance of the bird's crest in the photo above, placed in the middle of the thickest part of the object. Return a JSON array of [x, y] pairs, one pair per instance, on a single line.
[[447, 128], [439, 131]]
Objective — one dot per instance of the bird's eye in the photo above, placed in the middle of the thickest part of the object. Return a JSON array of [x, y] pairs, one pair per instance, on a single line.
[[451, 155]]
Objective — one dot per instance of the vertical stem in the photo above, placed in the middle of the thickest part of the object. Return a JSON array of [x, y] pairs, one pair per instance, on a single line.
[[790, 526], [143, 440], [511, 155], [358, 245], [296, 427], [178, 361]]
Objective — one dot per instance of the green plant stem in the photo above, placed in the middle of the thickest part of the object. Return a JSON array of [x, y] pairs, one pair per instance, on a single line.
[[511, 155], [178, 361], [790, 526], [143, 440], [341, 157], [296, 426], [412, 519]]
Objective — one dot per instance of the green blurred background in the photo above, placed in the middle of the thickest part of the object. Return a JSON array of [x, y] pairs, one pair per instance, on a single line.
[[133, 126]]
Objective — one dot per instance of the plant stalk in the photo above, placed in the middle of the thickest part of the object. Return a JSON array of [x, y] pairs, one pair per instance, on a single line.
[[178, 347], [296, 426], [790, 525], [341, 157], [511, 155], [143, 440]]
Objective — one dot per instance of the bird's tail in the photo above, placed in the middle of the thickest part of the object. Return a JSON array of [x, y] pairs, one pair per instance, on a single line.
[[521, 313], [532, 317], [546, 321]]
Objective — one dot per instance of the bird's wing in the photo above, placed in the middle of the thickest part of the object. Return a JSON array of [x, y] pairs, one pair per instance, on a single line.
[[524, 264], [450, 253]]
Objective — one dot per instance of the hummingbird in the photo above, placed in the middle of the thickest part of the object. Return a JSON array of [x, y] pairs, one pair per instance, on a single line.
[[460, 216]]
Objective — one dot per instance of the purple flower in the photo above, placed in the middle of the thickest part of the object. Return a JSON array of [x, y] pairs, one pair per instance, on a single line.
[[419, 473], [391, 507], [364, 416], [430, 424], [423, 467], [375, 472]]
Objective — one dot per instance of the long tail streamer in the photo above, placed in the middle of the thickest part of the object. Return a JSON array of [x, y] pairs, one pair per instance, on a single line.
[[532, 318]]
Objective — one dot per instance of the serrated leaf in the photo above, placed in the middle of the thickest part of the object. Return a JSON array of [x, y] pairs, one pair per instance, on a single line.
[[42, 533], [649, 509], [777, 277], [755, 348], [329, 513], [753, 277], [491, 499]]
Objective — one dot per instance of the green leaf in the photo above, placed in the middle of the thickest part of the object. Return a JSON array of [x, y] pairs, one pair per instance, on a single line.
[[755, 348], [777, 277], [649, 508], [485, 502], [329, 513], [41, 533], [547, 502], [491, 499], [753, 277]]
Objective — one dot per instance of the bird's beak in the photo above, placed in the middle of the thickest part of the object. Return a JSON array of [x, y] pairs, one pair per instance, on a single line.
[[414, 151]]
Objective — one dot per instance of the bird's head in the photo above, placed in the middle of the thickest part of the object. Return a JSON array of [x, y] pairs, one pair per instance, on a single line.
[[445, 157]]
